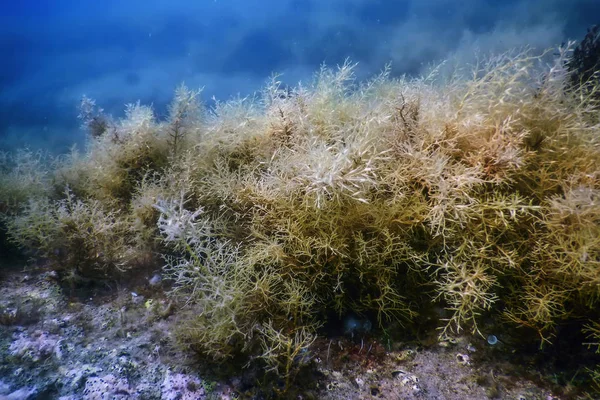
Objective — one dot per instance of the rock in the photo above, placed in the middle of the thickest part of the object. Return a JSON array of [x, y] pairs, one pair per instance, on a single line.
[[155, 280], [21, 394]]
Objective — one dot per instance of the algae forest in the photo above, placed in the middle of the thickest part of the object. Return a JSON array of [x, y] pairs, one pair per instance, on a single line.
[[317, 241]]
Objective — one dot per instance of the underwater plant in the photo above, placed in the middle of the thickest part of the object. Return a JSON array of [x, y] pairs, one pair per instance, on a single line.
[[348, 198], [277, 214], [584, 64], [82, 238]]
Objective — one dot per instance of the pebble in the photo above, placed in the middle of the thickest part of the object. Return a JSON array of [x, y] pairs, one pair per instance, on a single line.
[[155, 280], [136, 298], [463, 359]]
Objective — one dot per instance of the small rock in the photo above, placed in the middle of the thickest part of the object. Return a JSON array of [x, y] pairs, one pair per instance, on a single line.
[[182, 387], [4, 388], [411, 381], [463, 359], [155, 280], [136, 298], [52, 275], [21, 394]]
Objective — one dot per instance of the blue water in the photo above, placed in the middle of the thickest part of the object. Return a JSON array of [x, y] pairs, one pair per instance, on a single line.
[[119, 51]]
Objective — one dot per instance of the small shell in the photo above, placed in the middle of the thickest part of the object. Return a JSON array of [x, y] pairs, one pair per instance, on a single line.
[[409, 380], [463, 359], [398, 373]]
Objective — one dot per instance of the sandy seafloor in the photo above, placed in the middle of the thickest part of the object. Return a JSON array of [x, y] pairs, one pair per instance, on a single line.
[[118, 343]]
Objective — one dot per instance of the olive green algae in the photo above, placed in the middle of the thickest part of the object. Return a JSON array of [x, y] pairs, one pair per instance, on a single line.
[[464, 203]]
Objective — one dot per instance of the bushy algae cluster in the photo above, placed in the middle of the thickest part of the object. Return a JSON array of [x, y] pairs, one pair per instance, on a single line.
[[476, 190]]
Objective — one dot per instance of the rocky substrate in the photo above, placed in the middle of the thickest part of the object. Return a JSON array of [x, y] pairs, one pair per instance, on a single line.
[[118, 343]]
